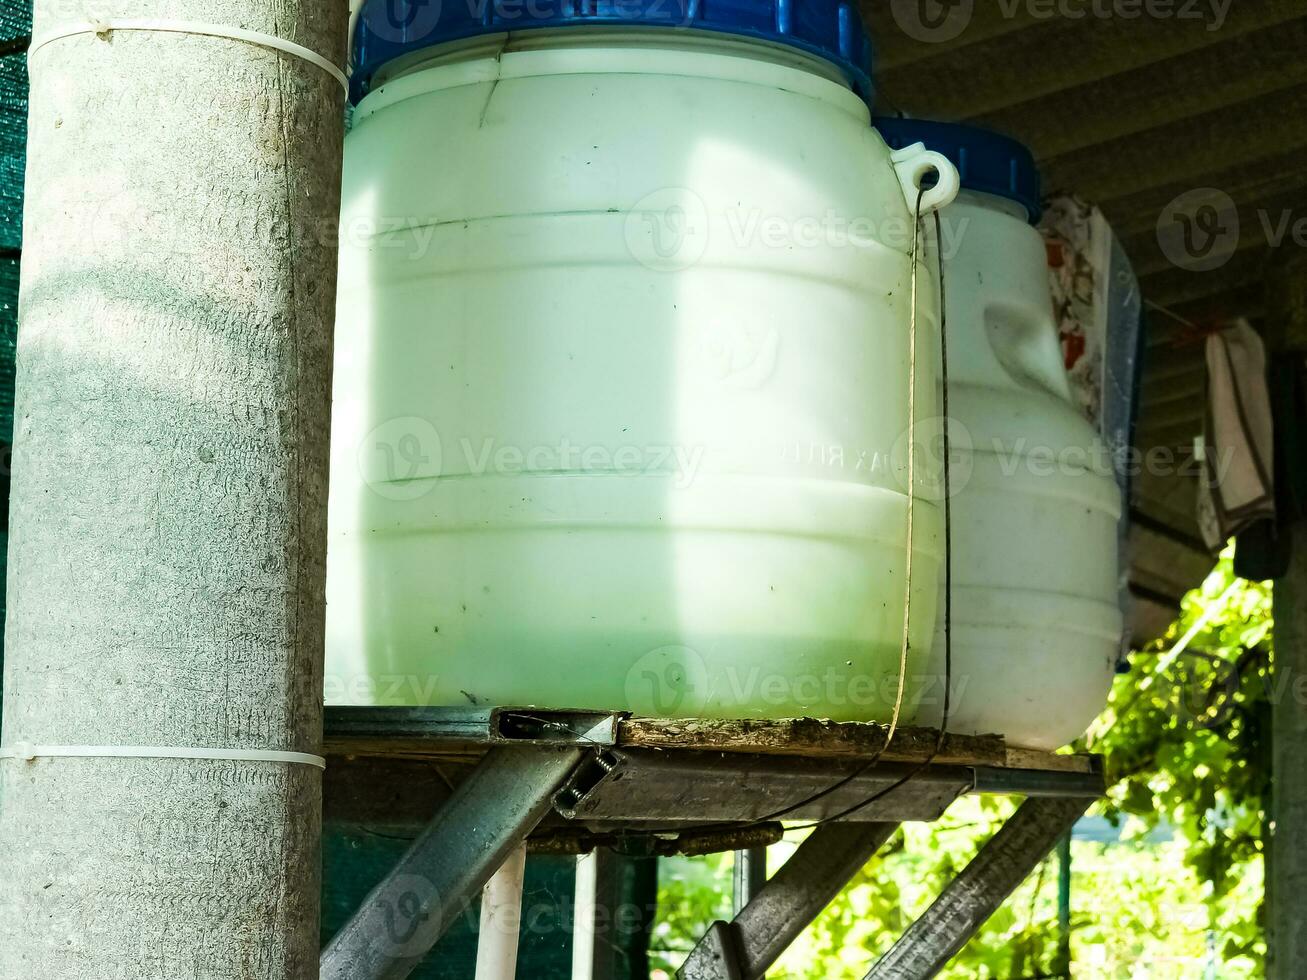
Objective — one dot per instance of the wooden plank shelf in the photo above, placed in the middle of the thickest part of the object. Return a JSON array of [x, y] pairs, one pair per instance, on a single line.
[[442, 732], [655, 775]]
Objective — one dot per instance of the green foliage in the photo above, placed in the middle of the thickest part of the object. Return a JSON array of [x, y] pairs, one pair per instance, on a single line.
[[1138, 910], [1185, 738], [692, 895]]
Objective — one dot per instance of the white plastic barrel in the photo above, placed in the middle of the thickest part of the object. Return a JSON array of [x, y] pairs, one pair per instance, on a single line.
[[622, 383], [1036, 625]]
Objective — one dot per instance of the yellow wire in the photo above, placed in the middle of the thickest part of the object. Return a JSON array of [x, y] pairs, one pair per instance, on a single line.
[[906, 645]]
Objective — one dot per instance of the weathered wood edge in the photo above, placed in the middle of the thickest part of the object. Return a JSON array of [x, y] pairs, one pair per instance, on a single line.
[[811, 738]]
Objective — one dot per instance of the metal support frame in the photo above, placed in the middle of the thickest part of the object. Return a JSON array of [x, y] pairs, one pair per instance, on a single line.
[[798, 893], [664, 790], [399, 728], [603, 782], [974, 895], [501, 919], [594, 941], [487, 817], [748, 876]]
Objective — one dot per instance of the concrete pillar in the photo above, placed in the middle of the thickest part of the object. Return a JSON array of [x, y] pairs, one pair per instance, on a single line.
[[1286, 877], [169, 496]]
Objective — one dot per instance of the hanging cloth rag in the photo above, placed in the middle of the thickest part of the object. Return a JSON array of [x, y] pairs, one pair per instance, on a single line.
[[1239, 441], [1264, 549]]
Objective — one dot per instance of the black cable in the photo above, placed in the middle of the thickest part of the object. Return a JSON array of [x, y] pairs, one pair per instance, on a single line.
[[948, 566], [948, 487]]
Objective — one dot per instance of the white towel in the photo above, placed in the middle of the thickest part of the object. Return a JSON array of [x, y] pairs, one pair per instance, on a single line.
[[1239, 484]]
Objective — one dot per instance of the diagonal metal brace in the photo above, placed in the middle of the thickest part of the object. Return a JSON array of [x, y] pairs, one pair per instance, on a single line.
[[489, 815], [718, 955], [803, 887], [985, 884]]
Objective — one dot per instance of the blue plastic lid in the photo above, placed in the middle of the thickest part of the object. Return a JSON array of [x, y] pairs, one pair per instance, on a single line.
[[988, 161], [830, 29]]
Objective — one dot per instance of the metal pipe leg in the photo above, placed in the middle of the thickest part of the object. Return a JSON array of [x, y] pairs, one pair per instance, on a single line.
[[489, 815], [596, 915], [974, 895], [748, 876], [787, 904], [501, 920]]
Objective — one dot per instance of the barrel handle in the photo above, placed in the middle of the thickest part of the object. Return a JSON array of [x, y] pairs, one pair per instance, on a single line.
[[912, 163]]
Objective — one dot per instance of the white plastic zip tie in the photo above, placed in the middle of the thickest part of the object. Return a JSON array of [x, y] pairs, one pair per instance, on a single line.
[[28, 753], [103, 28]]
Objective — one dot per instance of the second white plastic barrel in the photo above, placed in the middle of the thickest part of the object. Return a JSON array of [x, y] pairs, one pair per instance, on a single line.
[[1036, 626], [622, 370]]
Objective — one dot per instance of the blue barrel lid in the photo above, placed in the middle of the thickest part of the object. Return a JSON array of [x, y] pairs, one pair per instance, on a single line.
[[987, 161], [830, 29]]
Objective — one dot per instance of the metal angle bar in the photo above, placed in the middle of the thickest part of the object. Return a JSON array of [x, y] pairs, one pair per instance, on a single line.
[[1027, 782], [489, 815], [975, 894], [595, 728], [664, 789], [343, 722], [789, 902], [471, 725]]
